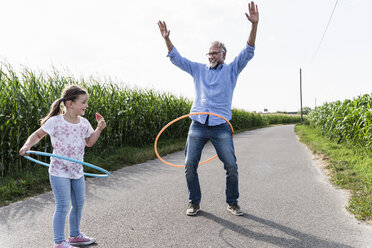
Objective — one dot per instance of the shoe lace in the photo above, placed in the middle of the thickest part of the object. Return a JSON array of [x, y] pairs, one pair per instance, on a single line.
[[81, 235], [234, 205], [193, 204], [65, 243]]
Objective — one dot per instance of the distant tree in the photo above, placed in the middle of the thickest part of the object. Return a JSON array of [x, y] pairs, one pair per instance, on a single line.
[[305, 110], [281, 112]]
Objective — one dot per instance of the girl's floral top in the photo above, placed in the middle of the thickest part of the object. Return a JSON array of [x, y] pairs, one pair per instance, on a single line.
[[68, 140]]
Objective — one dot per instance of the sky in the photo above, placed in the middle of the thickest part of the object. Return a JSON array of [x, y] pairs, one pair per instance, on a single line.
[[120, 41]]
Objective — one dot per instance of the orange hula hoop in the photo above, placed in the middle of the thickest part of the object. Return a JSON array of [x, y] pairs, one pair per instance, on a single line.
[[182, 117]]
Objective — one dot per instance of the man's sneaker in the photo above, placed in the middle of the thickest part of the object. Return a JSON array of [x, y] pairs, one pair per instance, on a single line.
[[235, 209], [81, 239], [192, 209], [64, 244]]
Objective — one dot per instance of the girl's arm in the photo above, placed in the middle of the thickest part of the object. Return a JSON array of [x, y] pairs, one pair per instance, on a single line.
[[32, 140], [95, 135]]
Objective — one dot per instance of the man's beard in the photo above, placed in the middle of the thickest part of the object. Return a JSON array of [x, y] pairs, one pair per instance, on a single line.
[[213, 64]]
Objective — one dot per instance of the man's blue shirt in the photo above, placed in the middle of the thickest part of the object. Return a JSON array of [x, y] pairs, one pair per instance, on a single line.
[[213, 87]]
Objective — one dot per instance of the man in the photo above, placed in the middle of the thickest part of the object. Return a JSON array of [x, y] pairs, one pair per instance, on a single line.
[[214, 86]]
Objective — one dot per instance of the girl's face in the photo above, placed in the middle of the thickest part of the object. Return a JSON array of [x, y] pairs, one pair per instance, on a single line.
[[79, 106]]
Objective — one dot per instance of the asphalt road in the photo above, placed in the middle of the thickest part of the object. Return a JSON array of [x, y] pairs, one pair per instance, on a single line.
[[286, 199]]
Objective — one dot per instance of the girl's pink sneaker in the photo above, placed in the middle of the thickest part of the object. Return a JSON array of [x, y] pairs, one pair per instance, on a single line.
[[64, 244], [81, 239]]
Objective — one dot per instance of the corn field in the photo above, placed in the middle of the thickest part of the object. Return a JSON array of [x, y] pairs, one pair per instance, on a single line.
[[133, 116], [348, 121]]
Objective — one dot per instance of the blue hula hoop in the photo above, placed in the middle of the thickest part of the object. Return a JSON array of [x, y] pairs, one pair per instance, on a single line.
[[68, 159]]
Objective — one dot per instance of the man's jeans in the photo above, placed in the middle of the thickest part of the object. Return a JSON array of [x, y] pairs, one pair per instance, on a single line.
[[221, 138]]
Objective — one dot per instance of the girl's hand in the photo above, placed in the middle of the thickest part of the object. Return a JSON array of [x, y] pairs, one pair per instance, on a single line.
[[101, 122], [89, 142], [101, 125], [23, 150]]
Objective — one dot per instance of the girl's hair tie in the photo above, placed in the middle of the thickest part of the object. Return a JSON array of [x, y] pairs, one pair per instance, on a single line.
[[63, 99]]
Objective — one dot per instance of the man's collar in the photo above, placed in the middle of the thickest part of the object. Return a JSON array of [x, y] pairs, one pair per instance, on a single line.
[[215, 67]]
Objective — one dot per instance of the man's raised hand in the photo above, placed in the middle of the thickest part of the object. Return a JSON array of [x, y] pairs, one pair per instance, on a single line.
[[253, 13], [163, 29]]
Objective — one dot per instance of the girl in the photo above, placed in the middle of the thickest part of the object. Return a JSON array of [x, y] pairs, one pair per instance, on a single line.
[[69, 133]]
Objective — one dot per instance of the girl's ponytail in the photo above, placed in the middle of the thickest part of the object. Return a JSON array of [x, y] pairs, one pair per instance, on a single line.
[[55, 109]]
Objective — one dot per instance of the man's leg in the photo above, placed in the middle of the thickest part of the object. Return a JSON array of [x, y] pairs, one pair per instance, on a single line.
[[197, 137], [222, 140]]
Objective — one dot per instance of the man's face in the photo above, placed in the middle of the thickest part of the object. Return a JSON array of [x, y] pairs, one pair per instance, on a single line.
[[216, 55]]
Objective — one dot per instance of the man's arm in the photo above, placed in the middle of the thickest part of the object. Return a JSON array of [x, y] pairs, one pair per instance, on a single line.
[[181, 62], [253, 18], [165, 33]]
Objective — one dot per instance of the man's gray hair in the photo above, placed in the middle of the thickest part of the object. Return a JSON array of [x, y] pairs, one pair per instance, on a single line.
[[220, 45]]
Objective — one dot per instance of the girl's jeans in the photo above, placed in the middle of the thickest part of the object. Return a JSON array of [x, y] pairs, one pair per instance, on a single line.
[[65, 189], [221, 138]]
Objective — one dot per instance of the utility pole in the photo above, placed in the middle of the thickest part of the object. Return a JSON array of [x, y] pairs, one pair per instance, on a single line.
[[301, 93]]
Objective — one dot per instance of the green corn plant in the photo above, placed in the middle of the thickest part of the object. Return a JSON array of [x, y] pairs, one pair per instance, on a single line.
[[348, 121], [133, 116]]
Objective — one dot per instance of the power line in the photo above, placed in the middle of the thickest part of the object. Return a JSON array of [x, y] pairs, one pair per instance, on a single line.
[[329, 21]]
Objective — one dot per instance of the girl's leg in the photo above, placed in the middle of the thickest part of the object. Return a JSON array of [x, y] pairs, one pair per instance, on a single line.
[[77, 202], [61, 190]]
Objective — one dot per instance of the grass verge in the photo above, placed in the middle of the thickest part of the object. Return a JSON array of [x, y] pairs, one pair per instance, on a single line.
[[350, 167]]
